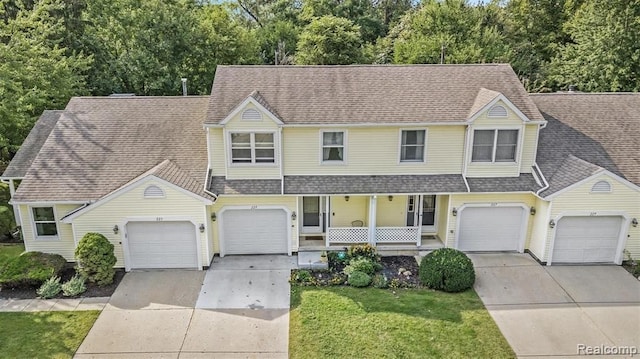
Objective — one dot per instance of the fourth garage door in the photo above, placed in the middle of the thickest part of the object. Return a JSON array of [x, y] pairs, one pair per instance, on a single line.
[[491, 228], [254, 231]]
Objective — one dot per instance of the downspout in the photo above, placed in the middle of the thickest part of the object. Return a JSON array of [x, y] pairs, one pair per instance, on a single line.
[[466, 156], [281, 159], [207, 181], [544, 180]]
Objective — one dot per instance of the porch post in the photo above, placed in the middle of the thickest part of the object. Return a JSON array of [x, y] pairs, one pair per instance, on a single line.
[[420, 204], [16, 212], [373, 200]]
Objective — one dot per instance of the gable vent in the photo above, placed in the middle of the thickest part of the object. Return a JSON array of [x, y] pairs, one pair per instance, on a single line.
[[498, 111], [251, 115], [153, 191], [601, 187]]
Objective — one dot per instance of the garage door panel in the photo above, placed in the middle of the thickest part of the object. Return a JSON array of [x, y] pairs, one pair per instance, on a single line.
[[258, 231], [162, 245], [490, 228], [587, 239]]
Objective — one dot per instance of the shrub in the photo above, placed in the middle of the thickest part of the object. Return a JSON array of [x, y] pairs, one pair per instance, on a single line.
[[363, 251], [50, 288], [361, 264], [359, 279], [303, 277], [380, 281], [338, 279], [447, 269], [74, 286], [31, 268], [96, 259]]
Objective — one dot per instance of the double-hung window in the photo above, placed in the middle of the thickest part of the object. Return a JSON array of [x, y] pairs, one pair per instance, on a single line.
[[494, 145], [333, 146], [250, 147], [44, 221], [412, 145]]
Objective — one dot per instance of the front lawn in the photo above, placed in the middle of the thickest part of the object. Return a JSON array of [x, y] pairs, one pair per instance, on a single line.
[[345, 322], [9, 251], [44, 334]]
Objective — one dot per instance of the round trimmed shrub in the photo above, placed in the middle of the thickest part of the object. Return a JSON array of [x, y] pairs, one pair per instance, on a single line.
[[447, 269], [361, 265], [96, 259], [359, 279], [380, 281]]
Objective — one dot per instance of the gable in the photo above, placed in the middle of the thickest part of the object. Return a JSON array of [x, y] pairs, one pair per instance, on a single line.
[[592, 188], [498, 113], [251, 115]]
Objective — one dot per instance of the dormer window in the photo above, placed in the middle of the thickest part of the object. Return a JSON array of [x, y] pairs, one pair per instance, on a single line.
[[497, 111], [251, 115], [494, 145], [601, 187], [252, 147], [153, 191]]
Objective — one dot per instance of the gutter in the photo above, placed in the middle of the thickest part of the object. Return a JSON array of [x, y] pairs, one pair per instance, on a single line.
[[207, 182], [544, 180], [466, 183]]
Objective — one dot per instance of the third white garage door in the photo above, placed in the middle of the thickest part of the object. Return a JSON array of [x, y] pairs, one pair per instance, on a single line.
[[586, 239], [254, 231], [497, 228]]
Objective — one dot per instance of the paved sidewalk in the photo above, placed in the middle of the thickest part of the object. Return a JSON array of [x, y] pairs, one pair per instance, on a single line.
[[51, 305]]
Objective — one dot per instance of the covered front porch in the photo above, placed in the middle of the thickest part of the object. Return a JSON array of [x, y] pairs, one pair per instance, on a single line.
[[389, 222]]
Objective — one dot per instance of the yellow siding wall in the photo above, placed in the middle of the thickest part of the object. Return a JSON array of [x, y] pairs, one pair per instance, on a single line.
[[133, 204], [442, 216], [529, 148], [457, 200], [217, 156], [580, 201], [344, 212], [373, 150], [538, 240], [391, 213], [64, 245], [290, 202]]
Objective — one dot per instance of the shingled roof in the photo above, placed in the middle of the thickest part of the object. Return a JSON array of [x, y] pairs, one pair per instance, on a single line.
[[367, 93], [587, 131], [32, 144], [101, 143]]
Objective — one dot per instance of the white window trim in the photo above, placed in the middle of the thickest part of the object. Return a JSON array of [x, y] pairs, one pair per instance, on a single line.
[[495, 140], [344, 147], [35, 230], [276, 145], [424, 153]]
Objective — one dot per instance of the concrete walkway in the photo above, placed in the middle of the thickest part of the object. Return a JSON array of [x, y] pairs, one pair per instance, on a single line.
[[558, 311], [51, 305]]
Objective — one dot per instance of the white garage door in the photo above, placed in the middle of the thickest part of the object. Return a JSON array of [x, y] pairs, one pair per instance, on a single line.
[[162, 245], [587, 239], [490, 228], [254, 231]]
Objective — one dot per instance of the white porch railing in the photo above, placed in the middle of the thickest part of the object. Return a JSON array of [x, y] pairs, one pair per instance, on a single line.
[[347, 235], [398, 235]]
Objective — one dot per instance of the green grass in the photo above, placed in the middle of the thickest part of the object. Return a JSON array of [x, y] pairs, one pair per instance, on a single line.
[[9, 251], [345, 322], [43, 334]]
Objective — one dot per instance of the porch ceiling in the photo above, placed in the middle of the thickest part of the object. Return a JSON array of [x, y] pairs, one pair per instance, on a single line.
[[374, 184]]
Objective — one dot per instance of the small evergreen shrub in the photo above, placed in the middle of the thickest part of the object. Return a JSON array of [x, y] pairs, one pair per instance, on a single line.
[[361, 264], [359, 279], [363, 251], [447, 269], [50, 288], [96, 259], [303, 277], [31, 269], [74, 286], [380, 281], [338, 279]]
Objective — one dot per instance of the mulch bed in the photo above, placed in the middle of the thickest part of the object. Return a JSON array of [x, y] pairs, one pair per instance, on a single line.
[[93, 290]]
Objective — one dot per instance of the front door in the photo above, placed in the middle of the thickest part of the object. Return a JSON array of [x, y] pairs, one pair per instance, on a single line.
[[412, 211], [311, 218], [428, 213]]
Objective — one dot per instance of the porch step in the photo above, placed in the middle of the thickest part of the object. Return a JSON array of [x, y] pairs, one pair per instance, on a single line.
[[312, 260]]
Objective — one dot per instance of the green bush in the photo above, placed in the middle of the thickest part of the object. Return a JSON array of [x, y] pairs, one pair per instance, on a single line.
[[359, 279], [302, 276], [362, 264], [31, 269], [96, 259], [50, 288], [74, 286], [447, 269], [363, 251], [380, 281], [337, 279]]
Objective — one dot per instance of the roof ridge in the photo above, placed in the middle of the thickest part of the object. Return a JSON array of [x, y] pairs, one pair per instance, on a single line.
[[497, 64]]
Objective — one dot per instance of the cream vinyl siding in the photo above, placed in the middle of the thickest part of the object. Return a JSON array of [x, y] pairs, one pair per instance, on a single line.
[[344, 212], [457, 200], [539, 230], [391, 213], [529, 148], [289, 202], [373, 150], [133, 204], [64, 245], [580, 200], [217, 153], [443, 216]]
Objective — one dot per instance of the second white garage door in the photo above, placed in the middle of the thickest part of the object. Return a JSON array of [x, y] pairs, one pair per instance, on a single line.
[[491, 228], [254, 231], [586, 239], [162, 245]]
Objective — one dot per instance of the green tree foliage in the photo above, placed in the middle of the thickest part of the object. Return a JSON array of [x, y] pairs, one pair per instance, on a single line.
[[454, 24], [329, 40], [604, 51]]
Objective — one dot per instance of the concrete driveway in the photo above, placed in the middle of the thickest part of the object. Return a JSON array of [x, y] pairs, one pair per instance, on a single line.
[[229, 311], [559, 310]]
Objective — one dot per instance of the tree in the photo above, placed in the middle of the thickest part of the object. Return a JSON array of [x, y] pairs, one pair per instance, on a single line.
[[361, 12], [604, 51], [329, 40]]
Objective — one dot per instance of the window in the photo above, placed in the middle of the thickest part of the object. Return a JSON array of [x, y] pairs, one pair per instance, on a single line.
[[332, 146], [44, 221], [252, 148], [494, 145], [412, 146]]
